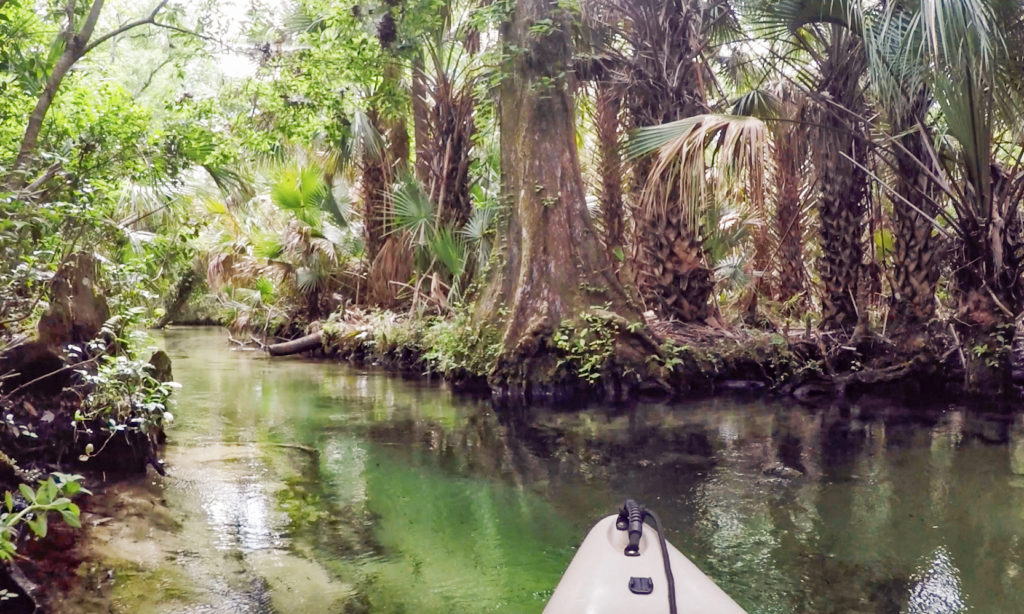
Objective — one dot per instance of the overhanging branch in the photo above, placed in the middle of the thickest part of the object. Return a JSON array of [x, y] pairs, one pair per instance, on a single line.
[[148, 20]]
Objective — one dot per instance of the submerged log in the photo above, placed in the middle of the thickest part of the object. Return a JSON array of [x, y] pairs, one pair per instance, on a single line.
[[302, 344]]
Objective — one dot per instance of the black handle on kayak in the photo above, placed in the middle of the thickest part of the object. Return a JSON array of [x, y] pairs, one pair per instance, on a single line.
[[631, 518]]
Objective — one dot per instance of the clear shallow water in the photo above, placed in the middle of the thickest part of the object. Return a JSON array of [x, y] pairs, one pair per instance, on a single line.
[[300, 486]]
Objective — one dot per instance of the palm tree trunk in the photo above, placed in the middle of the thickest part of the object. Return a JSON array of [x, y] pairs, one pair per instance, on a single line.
[[420, 111], [450, 134], [373, 185], [916, 246], [792, 274], [990, 289], [842, 156], [842, 227], [665, 83], [671, 275]]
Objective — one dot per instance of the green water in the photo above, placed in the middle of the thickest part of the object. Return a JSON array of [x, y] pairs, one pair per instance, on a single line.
[[304, 486]]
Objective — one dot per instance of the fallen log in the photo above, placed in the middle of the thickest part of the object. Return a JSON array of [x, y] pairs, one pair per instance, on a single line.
[[302, 344]]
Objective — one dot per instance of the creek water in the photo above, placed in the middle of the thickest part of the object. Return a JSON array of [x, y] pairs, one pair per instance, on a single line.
[[301, 486]]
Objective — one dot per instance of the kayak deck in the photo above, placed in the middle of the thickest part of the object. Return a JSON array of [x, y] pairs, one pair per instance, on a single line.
[[601, 578]]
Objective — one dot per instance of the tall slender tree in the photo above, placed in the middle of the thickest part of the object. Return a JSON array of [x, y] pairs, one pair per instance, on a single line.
[[789, 149], [841, 153], [829, 34], [664, 79], [607, 128]]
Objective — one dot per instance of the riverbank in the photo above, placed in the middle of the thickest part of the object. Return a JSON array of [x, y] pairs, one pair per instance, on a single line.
[[690, 358]]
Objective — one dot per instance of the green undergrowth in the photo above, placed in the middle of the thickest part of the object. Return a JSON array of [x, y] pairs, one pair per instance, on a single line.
[[587, 347], [584, 351], [755, 356], [34, 508], [452, 347]]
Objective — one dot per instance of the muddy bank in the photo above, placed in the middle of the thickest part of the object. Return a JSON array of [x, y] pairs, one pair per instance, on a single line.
[[77, 395]]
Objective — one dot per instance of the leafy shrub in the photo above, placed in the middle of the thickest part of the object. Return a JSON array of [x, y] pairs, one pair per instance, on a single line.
[[52, 495], [454, 345]]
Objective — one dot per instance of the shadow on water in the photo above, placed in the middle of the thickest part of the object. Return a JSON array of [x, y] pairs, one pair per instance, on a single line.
[[395, 496]]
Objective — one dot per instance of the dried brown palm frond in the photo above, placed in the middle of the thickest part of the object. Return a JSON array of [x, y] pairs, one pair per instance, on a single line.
[[219, 268], [737, 146], [392, 264]]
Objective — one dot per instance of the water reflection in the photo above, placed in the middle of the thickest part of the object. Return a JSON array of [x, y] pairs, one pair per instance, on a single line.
[[937, 590], [425, 502]]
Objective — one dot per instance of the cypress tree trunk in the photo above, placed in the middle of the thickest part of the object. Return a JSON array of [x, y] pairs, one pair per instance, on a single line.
[[554, 269]]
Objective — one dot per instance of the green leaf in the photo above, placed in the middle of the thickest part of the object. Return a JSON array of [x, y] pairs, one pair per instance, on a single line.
[[38, 525], [9, 501], [46, 492], [27, 492], [71, 519]]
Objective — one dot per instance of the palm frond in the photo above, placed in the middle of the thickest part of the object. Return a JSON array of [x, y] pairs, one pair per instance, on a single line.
[[367, 141], [758, 103], [302, 192], [267, 245], [776, 18], [337, 210], [449, 250], [479, 224], [265, 288], [478, 232], [961, 41], [740, 149], [311, 278], [413, 210]]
